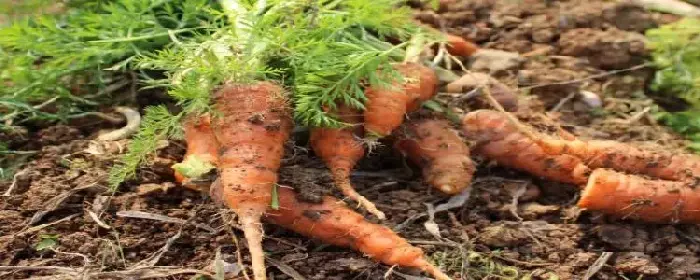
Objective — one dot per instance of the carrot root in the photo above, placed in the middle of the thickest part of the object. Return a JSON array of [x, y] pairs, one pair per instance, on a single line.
[[626, 158], [499, 140], [343, 184], [441, 153], [341, 149], [639, 198], [386, 108], [254, 124], [333, 223], [253, 232]]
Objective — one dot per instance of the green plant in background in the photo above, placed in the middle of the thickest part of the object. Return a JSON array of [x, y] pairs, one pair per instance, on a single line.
[[55, 66], [676, 53]]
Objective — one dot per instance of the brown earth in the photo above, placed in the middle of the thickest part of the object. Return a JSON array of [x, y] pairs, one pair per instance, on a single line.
[[513, 225]]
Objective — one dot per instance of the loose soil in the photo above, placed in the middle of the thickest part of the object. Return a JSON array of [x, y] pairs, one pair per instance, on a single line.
[[512, 226]]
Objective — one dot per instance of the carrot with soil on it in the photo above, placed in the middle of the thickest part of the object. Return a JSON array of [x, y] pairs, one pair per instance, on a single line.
[[340, 149], [639, 198], [626, 158], [439, 151], [253, 124], [498, 139], [387, 106], [334, 223]]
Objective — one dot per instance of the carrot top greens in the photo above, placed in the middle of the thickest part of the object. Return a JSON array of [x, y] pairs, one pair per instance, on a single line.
[[322, 51], [74, 58]]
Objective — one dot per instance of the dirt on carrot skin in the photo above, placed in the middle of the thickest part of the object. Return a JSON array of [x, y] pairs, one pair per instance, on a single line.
[[511, 218]]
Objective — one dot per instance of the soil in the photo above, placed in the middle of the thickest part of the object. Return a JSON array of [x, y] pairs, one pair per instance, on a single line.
[[512, 226]]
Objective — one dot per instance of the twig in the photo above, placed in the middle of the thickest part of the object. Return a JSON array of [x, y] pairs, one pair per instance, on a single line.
[[8, 118], [150, 262], [563, 101], [8, 192], [597, 265], [42, 226], [159, 217], [56, 202], [596, 76], [436, 243], [638, 116], [509, 116], [287, 270], [518, 262], [97, 220]]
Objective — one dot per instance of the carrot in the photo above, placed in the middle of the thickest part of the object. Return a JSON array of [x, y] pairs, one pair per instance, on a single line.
[[385, 108], [200, 143], [334, 223], [626, 158], [500, 140], [459, 47], [426, 87], [254, 122], [635, 197], [340, 149], [456, 45], [440, 152]]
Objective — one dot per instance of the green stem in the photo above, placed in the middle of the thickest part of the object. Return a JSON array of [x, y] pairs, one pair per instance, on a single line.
[[143, 37]]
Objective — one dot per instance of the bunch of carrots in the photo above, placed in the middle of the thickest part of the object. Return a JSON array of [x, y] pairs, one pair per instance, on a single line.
[[244, 140]]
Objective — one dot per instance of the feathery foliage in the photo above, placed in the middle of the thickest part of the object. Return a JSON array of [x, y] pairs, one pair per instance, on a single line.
[[323, 51], [65, 55], [676, 53]]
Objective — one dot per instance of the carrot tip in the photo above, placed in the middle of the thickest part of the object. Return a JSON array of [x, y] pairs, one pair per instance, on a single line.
[[447, 188], [435, 272], [369, 206]]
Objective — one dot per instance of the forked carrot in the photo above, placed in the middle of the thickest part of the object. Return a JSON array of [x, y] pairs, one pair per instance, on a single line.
[[341, 149], [639, 198], [334, 223], [499, 140], [253, 124], [440, 151]]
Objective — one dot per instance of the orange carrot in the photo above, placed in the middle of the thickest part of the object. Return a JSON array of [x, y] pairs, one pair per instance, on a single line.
[[253, 124], [422, 91], [341, 149], [200, 143], [386, 107], [499, 140], [612, 154], [334, 223], [439, 151], [626, 158], [635, 197], [459, 47], [456, 45]]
